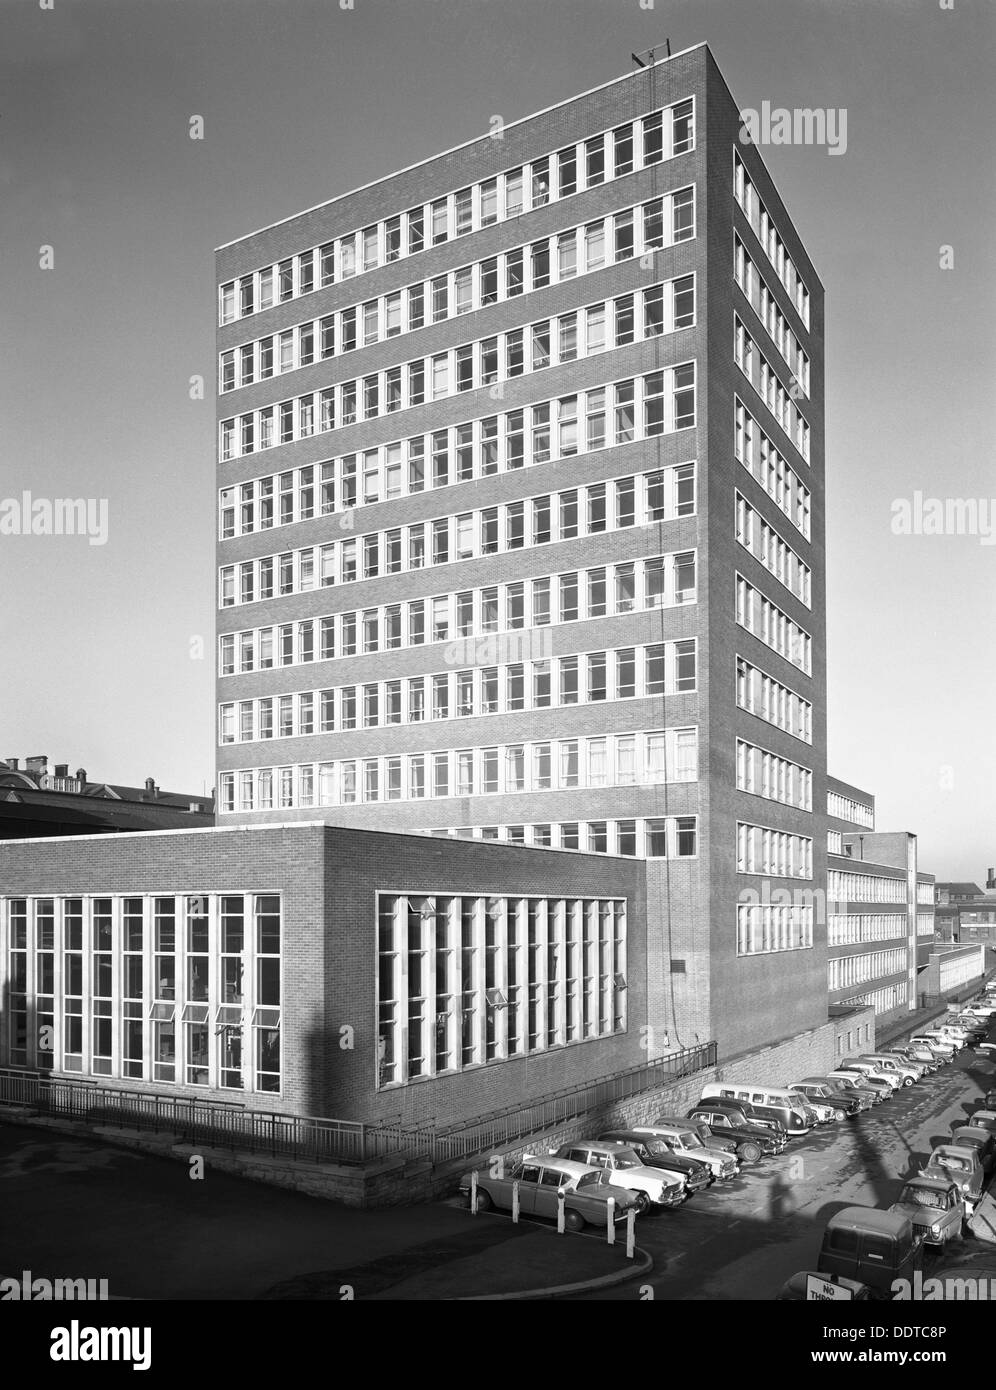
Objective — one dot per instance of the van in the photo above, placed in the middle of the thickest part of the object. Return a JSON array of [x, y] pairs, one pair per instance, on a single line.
[[874, 1247], [773, 1102]]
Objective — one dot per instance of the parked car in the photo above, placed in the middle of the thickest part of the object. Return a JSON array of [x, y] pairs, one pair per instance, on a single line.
[[684, 1140], [626, 1170], [750, 1114], [751, 1141], [944, 1051], [935, 1206], [874, 1071], [723, 1146], [975, 1027], [872, 1247], [919, 1052], [851, 1084], [821, 1093], [654, 1153], [961, 1166], [907, 1075], [979, 1139], [984, 1119], [792, 1112], [881, 1088], [541, 1180], [990, 1100], [921, 1065]]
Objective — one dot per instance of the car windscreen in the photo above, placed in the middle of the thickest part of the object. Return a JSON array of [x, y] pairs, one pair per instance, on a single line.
[[953, 1161], [922, 1197], [588, 1180], [688, 1139], [656, 1146]]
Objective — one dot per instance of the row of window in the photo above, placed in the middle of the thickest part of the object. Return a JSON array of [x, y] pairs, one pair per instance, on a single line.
[[775, 554], [590, 678], [766, 774], [764, 927], [846, 887], [766, 466], [842, 807], [468, 980], [757, 613], [635, 231], [764, 850], [764, 304], [925, 924], [574, 169], [474, 618], [181, 989], [844, 971], [763, 226], [523, 524], [925, 893], [761, 695], [883, 1001], [765, 381], [668, 397], [846, 928], [441, 458], [835, 842], [656, 837], [641, 759]]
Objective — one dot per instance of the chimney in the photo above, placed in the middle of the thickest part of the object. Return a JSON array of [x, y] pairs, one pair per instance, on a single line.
[[151, 790], [11, 763], [38, 764], [61, 770], [81, 775], [991, 880]]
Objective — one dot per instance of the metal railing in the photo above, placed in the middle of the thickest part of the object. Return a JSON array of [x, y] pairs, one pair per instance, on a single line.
[[485, 1133], [228, 1124]]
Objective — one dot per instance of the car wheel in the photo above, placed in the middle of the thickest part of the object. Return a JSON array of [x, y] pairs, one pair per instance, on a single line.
[[840, 1116], [907, 1081], [749, 1152], [484, 1201], [573, 1220], [642, 1203]]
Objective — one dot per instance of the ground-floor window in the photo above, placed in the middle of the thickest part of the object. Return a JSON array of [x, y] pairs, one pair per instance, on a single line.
[[175, 988], [464, 980]]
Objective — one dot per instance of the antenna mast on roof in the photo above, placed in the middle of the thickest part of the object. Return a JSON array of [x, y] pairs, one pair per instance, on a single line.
[[651, 54]]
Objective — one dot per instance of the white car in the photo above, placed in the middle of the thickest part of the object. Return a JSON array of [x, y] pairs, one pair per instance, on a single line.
[[625, 1169]]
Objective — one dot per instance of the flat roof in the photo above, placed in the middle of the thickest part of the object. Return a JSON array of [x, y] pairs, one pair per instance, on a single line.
[[440, 154], [115, 836]]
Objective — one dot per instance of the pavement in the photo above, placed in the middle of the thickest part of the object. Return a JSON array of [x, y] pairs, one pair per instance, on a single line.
[[77, 1207]]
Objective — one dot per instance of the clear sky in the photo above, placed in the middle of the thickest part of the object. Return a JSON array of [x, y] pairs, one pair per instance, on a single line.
[[107, 651]]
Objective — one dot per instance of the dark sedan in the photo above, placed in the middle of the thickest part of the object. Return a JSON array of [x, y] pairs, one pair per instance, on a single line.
[[655, 1153]]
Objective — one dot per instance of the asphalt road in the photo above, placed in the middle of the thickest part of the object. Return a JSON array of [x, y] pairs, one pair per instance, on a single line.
[[743, 1239]]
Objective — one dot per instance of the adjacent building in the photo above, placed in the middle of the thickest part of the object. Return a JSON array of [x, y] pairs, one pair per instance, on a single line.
[[37, 800], [965, 913]]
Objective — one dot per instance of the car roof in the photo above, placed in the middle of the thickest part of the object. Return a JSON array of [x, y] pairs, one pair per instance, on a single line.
[[869, 1219], [935, 1184], [962, 1150], [563, 1165], [607, 1146], [986, 1114], [973, 1131]]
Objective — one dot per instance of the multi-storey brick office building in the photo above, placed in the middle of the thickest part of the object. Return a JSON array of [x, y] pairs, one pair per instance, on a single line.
[[521, 524], [880, 907]]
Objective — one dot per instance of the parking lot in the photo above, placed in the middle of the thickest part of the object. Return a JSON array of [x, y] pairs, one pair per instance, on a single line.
[[743, 1239]]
